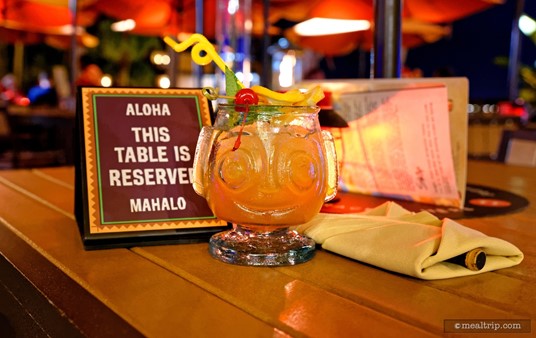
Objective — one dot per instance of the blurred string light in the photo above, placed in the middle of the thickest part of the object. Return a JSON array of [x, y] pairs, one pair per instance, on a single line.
[[106, 80], [251, 78], [160, 58], [233, 6], [484, 108], [163, 81], [527, 25], [123, 25]]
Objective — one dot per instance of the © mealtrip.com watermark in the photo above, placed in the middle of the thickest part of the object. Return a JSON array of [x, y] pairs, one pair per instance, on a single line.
[[487, 326]]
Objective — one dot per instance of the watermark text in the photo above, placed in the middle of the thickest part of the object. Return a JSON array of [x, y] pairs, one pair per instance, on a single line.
[[487, 326]]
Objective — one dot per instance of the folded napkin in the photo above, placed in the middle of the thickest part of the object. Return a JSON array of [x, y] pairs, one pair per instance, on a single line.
[[415, 244]]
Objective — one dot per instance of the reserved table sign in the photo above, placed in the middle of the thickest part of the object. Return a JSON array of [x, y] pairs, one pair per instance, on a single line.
[[135, 167]]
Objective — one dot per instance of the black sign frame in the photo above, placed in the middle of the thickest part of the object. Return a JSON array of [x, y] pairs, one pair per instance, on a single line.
[[123, 137]]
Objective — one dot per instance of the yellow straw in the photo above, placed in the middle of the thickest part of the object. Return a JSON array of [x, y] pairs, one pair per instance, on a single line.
[[201, 45]]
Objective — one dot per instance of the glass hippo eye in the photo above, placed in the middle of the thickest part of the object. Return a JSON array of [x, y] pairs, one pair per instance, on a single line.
[[298, 162], [237, 168], [303, 170]]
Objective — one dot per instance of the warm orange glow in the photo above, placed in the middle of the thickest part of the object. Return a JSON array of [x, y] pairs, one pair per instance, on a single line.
[[331, 317], [375, 132], [342, 33], [327, 26], [160, 18]]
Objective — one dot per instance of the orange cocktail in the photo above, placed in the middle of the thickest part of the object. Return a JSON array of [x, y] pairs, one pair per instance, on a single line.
[[264, 172], [277, 176], [264, 166]]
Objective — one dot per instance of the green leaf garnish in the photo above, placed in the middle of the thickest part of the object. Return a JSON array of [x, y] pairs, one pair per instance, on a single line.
[[231, 82]]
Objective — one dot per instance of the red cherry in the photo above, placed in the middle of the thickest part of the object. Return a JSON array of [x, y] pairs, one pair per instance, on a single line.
[[246, 96]]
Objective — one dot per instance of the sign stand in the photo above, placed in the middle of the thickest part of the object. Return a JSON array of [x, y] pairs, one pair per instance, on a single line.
[[134, 168]]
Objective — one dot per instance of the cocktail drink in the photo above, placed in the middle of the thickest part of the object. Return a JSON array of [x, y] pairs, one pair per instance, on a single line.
[[265, 166], [278, 175]]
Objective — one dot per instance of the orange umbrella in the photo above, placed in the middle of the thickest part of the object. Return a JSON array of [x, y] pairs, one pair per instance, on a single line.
[[431, 11], [160, 17], [42, 21], [444, 11], [414, 33], [10, 35], [423, 21], [151, 17]]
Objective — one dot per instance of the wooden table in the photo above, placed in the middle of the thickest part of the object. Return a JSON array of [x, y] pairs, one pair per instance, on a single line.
[[49, 285]]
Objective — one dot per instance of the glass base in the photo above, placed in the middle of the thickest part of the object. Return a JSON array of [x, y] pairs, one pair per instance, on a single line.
[[247, 247]]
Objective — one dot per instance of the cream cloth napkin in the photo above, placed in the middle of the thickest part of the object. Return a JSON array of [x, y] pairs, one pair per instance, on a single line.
[[415, 244]]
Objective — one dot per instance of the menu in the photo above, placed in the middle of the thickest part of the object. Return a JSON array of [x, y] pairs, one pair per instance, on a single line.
[[406, 139]]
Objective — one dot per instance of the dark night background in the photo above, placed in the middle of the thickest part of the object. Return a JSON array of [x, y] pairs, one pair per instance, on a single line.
[[471, 51]]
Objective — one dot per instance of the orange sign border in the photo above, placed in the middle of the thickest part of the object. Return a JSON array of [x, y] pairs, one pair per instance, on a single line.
[[93, 227]]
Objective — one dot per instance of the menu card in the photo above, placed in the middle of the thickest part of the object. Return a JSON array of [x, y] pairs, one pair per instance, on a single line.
[[406, 138], [134, 176]]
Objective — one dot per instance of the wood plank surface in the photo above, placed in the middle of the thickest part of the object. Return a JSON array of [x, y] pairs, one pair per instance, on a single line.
[[158, 290], [150, 299], [505, 294]]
